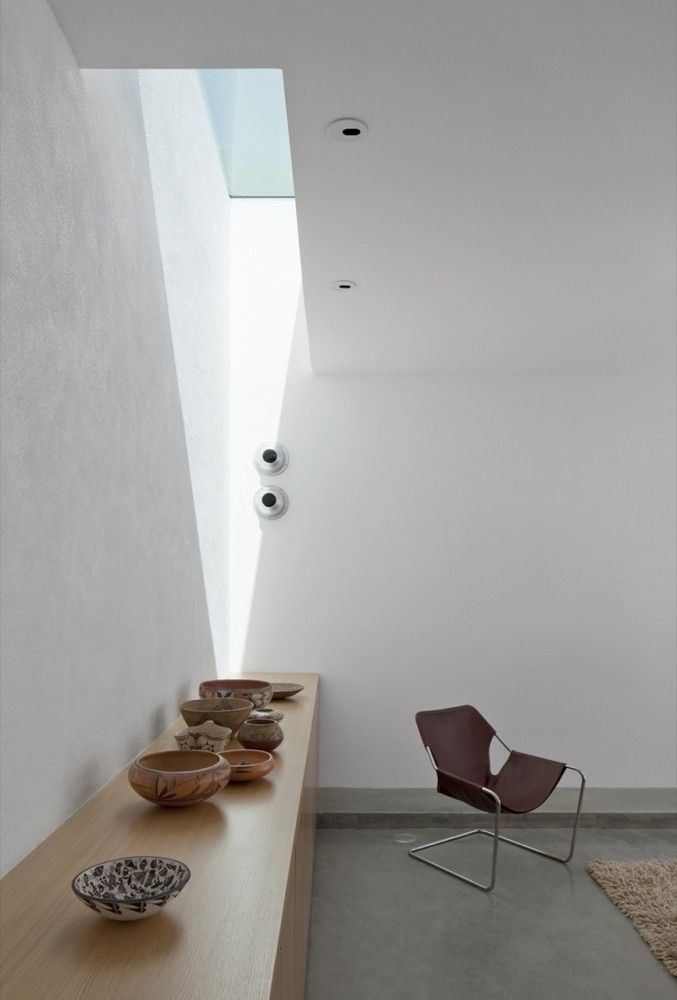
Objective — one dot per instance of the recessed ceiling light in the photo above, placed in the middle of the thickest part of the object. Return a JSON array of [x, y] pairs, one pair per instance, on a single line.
[[343, 285], [346, 129]]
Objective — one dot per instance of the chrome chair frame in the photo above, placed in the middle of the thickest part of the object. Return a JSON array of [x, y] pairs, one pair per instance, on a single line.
[[496, 835]]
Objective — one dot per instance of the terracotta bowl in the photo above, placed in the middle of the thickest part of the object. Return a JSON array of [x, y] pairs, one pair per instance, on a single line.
[[228, 712], [281, 691], [178, 777], [248, 765], [131, 888], [208, 736], [258, 692]]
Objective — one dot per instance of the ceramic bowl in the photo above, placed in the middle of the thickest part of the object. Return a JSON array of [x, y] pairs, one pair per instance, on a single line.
[[178, 777], [131, 888], [248, 765], [286, 690], [258, 692], [207, 736], [228, 712]]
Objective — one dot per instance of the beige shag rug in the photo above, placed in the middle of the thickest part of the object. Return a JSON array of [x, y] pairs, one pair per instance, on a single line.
[[645, 891]]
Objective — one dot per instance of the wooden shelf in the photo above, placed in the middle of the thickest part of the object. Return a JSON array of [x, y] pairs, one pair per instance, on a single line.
[[237, 931]]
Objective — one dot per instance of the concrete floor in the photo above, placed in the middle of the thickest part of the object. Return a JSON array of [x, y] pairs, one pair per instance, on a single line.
[[384, 927]]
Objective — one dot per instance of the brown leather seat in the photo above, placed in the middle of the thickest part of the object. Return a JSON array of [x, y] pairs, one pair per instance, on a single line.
[[459, 739]]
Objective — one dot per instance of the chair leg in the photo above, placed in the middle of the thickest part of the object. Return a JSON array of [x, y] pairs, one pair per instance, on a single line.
[[414, 853], [572, 845], [496, 835]]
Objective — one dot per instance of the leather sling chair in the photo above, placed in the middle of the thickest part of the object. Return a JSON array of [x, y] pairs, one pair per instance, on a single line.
[[457, 741]]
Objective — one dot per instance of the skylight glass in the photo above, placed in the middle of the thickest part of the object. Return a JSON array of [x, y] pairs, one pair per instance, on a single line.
[[249, 118]]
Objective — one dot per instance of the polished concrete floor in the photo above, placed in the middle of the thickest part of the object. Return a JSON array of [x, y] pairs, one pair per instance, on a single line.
[[385, 927]]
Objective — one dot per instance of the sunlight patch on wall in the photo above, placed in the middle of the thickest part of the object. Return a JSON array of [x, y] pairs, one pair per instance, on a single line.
[[265, 295]]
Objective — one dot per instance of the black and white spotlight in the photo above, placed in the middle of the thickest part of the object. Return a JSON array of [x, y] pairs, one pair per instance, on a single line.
[[271, 458], [270, 502]]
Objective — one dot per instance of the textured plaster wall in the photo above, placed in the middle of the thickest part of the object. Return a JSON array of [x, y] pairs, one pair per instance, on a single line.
[[104, 619], [192, 209]]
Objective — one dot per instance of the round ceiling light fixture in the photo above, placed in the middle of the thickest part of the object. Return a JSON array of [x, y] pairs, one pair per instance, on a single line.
[[344, 285], [346, 129]]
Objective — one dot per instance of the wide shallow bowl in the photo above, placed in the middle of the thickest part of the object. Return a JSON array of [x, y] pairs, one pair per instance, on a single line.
[[228, 712], [178, 777], [131, 888], [208, 736], [286, 691], [248, 765], [258, 692]]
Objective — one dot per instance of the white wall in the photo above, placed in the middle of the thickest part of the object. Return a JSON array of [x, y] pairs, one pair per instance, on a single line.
[[504, 541], [192, 209], [104, 620]]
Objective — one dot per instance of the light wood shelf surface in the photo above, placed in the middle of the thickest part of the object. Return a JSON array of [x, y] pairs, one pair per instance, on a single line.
[[219, 940]]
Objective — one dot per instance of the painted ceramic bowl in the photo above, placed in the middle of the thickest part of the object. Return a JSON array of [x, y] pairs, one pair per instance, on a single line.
[[178, 777], [248, 765], [258, 692], [228, 712], [207, 736], [131, 888], [286, 690]]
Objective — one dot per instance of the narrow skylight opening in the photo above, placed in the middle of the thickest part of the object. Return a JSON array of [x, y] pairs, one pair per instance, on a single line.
[[249, 117]]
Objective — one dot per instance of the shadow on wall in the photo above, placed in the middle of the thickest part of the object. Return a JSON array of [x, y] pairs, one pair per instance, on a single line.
[[479, 540]]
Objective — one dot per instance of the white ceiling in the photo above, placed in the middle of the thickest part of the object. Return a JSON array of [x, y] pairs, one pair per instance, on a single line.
[[513, 206]]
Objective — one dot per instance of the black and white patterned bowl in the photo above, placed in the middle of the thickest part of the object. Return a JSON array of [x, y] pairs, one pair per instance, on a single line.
[[131, 888]]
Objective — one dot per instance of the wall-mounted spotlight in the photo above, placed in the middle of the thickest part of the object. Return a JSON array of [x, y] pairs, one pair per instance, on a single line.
[[347, 129], [270, 502], [271, 459]]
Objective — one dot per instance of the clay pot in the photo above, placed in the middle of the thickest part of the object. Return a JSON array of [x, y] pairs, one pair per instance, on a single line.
[[258, 692], [248, 765], [178, 777], [269, 713], [262, 731], [230, 712]]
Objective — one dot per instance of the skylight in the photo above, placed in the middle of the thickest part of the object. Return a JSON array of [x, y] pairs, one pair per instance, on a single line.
[[249, 118]]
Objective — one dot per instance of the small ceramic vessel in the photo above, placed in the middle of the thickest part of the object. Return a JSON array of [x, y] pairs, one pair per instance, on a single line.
[[178, 777], [258, 692], [249, 765], [228, 712], [268, 713], [208, 736], [131, 888], [262, 731], [286, 691]]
